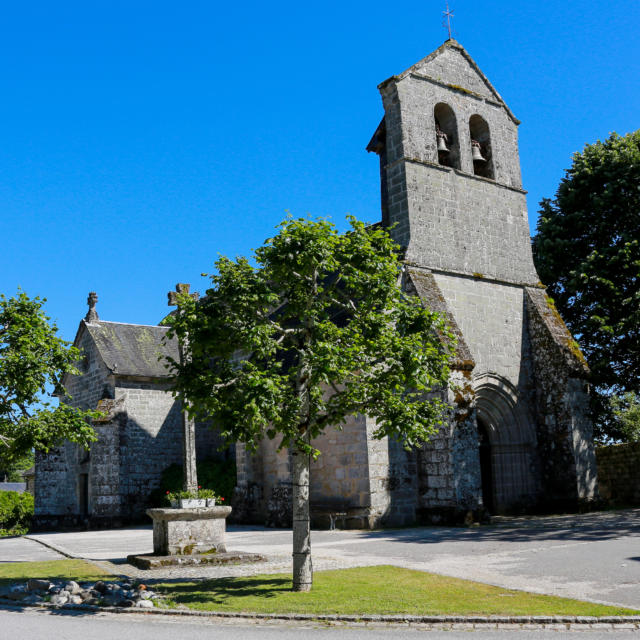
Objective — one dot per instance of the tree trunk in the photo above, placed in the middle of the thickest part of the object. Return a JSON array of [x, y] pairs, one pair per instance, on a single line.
[[302, 569]]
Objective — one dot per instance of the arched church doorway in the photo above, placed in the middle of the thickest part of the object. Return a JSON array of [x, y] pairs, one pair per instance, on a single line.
[[507, 446]]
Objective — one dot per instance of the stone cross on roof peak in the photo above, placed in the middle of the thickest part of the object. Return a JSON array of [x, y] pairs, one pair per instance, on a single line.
[[92, 314], [446, 23], [180, 288]]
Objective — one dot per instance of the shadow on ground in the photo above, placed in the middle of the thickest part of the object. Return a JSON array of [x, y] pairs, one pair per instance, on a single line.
[[221, 590], [588, 527]]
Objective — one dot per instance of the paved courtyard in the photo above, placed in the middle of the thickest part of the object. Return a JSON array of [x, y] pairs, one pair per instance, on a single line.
[[593, 557]]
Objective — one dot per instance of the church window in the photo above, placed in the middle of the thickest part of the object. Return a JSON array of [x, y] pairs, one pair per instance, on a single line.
[[447, 146], [481, 147]]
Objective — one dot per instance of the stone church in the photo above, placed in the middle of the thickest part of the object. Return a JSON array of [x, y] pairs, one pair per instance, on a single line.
[[518, 437]]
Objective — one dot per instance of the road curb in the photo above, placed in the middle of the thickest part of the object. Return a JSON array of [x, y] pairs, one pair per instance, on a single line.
[[538, 622], [48, 545]]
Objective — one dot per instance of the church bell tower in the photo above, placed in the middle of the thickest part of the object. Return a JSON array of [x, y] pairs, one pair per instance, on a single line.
[[452, 194]]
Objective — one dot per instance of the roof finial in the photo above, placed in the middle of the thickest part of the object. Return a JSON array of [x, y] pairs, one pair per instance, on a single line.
[[92, 314], [446, 23]]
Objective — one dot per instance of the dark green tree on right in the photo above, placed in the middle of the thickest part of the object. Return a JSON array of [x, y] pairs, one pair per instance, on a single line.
[[587, 252]]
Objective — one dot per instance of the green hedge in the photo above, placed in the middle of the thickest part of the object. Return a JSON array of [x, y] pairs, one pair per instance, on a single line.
[[218, 476], [16, 511]]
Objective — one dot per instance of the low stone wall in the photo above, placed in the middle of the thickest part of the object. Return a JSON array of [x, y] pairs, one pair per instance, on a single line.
[[618, 473]]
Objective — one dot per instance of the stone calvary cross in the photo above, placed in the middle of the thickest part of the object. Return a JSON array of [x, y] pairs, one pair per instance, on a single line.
[[190, 476]]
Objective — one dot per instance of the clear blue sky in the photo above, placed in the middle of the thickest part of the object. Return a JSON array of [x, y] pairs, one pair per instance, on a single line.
[[140, 139]]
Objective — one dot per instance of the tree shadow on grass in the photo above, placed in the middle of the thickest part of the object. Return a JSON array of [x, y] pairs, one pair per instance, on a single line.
[[221, 590]]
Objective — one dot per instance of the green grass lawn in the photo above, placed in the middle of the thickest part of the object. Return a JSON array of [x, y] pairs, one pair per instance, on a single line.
[[368, 590], [79, 570], [373, 590]]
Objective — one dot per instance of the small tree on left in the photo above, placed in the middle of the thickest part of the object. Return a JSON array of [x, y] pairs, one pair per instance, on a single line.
[[33, 362]]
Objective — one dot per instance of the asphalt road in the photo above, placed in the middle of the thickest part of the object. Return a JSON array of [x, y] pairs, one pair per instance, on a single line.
[[43, 625], [592, 557]]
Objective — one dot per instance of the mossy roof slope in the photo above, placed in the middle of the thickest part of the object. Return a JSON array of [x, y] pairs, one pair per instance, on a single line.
[[133, 349]]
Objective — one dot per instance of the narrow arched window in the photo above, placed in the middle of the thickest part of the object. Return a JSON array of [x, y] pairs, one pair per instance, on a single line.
[[481, 147], [447, 141]]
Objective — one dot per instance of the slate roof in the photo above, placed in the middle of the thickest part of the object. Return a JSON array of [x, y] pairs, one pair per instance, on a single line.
[[133, 349]]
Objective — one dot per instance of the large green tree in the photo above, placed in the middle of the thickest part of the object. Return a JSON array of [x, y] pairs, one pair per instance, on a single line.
[[587, 252], [316, 331], [33, 361]]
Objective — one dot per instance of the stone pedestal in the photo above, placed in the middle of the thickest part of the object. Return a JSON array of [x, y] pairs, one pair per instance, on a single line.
[[189, 531]]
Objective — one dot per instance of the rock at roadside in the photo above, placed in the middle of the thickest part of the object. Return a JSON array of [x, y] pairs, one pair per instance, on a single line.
[[59, 598], [17, 592], [100, 586], [144, 604], [35, 584], [72, 587]]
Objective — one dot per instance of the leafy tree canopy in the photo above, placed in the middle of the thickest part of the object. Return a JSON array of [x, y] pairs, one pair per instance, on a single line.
[[316, 331], [32, 359], [320, 312], [11, 468], [626, 413], [587, 252]]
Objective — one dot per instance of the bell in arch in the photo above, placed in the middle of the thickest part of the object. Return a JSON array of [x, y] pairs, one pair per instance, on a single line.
[[442, 141], [476, 152]]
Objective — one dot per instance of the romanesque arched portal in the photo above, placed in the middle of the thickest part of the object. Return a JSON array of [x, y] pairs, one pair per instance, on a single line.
[[507, 442]]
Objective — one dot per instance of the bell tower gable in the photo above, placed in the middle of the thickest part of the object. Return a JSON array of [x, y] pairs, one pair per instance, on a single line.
[[451, 66]]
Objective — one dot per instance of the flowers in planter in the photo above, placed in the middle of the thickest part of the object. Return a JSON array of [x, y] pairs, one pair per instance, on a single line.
[[188, 499]]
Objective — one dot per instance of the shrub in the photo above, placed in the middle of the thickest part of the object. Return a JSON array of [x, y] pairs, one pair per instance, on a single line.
[[16, 511]]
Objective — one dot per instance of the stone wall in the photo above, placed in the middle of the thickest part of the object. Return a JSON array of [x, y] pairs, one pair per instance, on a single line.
[[564, 428], [618, 476], [150, 442], [490, 316], [105, 470], [248, 500], [393, 482], [56, 478], [340, 474]]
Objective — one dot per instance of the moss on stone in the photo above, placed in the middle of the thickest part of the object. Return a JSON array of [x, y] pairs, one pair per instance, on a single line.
[[574, 347], [571, 344], [457, 87]]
